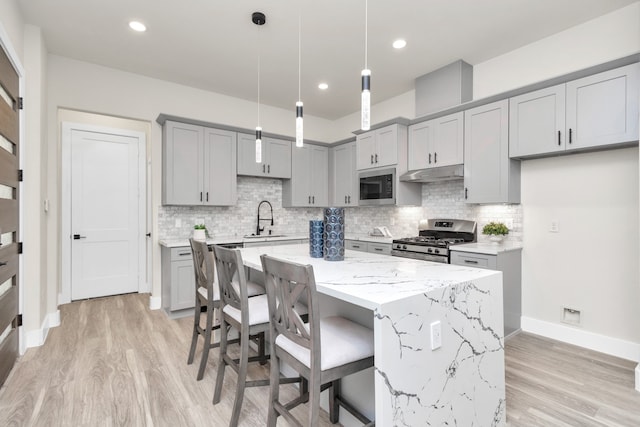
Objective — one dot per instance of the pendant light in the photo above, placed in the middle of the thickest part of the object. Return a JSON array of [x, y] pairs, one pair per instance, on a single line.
[[259, 19], [299, 124], [365, 122]]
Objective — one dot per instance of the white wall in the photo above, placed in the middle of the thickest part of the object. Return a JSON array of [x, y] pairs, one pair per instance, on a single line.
[[13, 25], [34, 192], [579, 191]]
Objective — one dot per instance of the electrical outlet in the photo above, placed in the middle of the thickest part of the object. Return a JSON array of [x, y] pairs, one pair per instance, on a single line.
[[554, 228], [178, 223], [436, 335]]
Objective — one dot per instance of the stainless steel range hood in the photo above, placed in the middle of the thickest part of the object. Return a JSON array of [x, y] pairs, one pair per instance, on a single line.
[[442, 173]]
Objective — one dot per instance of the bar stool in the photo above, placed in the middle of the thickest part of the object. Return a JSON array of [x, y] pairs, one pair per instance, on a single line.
[[249, 316], [207, 300], [323, 350]]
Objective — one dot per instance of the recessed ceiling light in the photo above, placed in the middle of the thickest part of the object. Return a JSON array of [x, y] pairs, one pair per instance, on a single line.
[[399, 44], [137, 26], [323, 86]]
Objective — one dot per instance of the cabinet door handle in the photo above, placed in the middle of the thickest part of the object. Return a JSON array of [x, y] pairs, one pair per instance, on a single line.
[[313, 200], [376, 158], [570, 135], [372, 159], [184, 253], [559, 138], [268, 168], [377, 249], [349, 199], [309, 199], [466, 193], [355, 246], [207, 196], [201, 196], [429, 158], [345, 199], [435, 157], [2, 264], [468, 261]]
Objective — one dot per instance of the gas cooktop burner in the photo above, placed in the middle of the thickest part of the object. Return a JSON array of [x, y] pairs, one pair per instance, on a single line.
[[434, 239]]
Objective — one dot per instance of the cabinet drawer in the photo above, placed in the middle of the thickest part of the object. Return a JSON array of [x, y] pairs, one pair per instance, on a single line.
[[181, 254], [355, 245], [474, 260], [379, 248]]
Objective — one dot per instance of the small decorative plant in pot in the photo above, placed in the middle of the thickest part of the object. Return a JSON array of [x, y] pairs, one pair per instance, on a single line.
[[496, 231], [200, 232]]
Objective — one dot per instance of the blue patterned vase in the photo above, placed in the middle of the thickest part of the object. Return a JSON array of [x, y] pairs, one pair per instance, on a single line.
[[316, 239], [333, 234]]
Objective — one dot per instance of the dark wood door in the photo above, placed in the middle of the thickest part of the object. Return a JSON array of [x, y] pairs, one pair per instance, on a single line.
[[9, 202]]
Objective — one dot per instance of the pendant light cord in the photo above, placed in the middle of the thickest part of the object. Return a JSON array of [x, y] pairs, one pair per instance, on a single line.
[[366, 31], [259, 55], [299, 51]]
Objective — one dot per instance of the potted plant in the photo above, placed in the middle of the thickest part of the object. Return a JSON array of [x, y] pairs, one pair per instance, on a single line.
[[496, 231], [200, 232]]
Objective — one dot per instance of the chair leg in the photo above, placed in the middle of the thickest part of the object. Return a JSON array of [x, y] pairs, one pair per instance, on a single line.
[[194, 337], [304, 389], [314, 402], [334, 408], [207, 343], [261, 349], [224, 331], [242, 378], [274, 390]]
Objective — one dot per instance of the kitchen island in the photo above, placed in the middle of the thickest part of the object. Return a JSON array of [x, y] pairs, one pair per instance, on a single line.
[[459, 383]]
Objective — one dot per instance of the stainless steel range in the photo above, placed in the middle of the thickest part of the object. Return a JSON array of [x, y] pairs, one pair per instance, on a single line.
[[435, 236]]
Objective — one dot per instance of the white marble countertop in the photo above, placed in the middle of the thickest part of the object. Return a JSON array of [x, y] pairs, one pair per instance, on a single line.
[[489, 248], [370, 280], [177, 243]]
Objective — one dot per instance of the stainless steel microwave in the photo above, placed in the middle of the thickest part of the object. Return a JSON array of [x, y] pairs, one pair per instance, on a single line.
[[378, 187]]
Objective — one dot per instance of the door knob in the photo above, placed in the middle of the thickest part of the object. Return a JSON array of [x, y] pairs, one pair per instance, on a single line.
[[78, 237]]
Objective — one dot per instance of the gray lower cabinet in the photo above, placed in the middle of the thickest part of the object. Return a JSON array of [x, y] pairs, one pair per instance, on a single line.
[[344, 189], [490, 176], [309, 183], [596, 111], [178, 279], [199, 165], [376, 248], [510, 263], [276, 157]]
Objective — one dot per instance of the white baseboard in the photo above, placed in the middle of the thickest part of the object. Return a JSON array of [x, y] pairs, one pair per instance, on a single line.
[[155, 303], [638, 377], [602, 343], [37, 337]]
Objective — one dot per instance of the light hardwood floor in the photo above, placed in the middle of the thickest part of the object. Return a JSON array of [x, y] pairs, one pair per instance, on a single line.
[[115, 362]]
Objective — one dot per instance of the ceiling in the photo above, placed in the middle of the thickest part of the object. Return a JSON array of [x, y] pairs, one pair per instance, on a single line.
[[213, 45]]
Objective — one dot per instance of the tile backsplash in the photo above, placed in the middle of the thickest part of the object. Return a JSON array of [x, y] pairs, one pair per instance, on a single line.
[[439, 200]]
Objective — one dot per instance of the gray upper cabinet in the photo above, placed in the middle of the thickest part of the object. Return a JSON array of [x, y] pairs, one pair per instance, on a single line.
[[596, 111], [309, 183], [343, 176], [276, 157], [603, 109], [379, 147], [537, 122], [437, 142], [198, 165], [490, 176]]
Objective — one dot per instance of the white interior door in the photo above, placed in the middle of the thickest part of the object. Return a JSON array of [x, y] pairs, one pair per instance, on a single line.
[[105, 217]]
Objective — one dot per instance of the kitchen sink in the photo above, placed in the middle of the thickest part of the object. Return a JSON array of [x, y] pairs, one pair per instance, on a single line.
[[263, 236]]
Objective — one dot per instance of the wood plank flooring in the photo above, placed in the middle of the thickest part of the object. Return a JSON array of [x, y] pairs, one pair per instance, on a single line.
[[114, 362]]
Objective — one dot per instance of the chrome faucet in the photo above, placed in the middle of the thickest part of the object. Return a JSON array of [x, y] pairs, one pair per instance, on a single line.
[[258, 229]]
